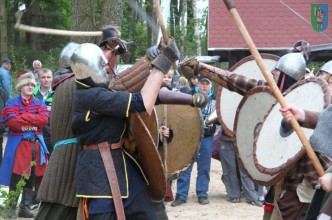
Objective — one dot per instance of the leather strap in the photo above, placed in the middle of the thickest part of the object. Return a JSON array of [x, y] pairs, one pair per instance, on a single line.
[[32, 140], [33, 168], [276, 214], [111, 146], [106, 155], [79, 214]]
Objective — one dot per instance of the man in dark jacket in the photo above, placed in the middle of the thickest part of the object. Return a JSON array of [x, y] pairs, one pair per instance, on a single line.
[[5, 93], [99, 122]]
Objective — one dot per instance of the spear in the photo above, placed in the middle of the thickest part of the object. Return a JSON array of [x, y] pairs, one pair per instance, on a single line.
[[165, 38], [160, 21]]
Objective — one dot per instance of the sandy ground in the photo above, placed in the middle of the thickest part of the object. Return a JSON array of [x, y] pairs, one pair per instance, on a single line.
[[218, 208]]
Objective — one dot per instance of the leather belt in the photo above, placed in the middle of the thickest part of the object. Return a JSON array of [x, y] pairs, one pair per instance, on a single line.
[[106, 155], [111, 146], [32, 140]]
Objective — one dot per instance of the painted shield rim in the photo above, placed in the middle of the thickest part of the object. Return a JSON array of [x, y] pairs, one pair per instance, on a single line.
[[227, 130], [277, 177], [283, 167], [176, 173], [152, 167]]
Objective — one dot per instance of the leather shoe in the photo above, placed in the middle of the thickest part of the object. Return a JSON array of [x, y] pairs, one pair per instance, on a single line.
[[203, 200], [178, 202], [256, 203], [235, 200], [12, 213], [25, 213]]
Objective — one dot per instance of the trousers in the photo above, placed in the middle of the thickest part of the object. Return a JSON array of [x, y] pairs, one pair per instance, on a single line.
[[203, 172], [230, 176]]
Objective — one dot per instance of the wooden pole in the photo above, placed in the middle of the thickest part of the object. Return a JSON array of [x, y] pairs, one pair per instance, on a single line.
[[160, 21], [49, 31]]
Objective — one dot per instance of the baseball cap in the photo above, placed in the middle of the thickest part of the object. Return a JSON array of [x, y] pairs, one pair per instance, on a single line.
[[6, 60], [200, 79]]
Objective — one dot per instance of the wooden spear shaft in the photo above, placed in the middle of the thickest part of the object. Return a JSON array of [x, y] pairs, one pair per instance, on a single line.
[[246, 37], [160, 21]]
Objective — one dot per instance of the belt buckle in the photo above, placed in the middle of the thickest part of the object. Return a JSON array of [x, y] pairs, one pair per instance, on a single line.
[[33, 140]]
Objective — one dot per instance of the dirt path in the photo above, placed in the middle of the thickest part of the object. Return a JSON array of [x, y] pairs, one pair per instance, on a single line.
[[218, 208]]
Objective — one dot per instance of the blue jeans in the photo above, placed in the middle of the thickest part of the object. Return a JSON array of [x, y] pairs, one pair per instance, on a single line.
[[203, 172]]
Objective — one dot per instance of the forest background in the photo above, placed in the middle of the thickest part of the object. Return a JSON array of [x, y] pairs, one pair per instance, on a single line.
[[136, 19]]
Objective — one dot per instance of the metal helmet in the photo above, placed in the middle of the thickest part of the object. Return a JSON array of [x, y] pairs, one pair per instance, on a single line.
[[293, 65], [64, 58], [327, 67], [88, 60]]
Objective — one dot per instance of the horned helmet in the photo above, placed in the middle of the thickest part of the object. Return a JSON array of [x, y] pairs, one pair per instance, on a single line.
[[88, 62]]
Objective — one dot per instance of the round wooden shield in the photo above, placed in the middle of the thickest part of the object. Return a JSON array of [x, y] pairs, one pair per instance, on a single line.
[[186, 124], [276, 150], [227, 101], [248, 119], [143, 138]]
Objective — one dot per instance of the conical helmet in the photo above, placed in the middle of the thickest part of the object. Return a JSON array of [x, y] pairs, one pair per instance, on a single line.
[[327, 67], [293, 65]]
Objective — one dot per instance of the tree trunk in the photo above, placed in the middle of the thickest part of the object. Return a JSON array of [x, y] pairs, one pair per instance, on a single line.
[[131, 34], [150, 13], [183, 28], [173, 8], [196, 28], [33, 17], [17, 40], [112, 13], [83, 19], [3, 28], [175, 17]]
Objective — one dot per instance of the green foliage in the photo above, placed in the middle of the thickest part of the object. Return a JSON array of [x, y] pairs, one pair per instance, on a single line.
[[315, 66], [11, 197], [54, 14], [58, 15], [58, 19], [203, 25], [136, 33], [22, 60]]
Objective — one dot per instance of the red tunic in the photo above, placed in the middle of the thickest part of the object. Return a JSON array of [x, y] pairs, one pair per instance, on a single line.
[[27, 122], [23, 158]]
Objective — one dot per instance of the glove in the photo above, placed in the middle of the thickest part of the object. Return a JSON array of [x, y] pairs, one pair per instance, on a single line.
[[164, 56], [189, 67], [152, 52], [200, 100]]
